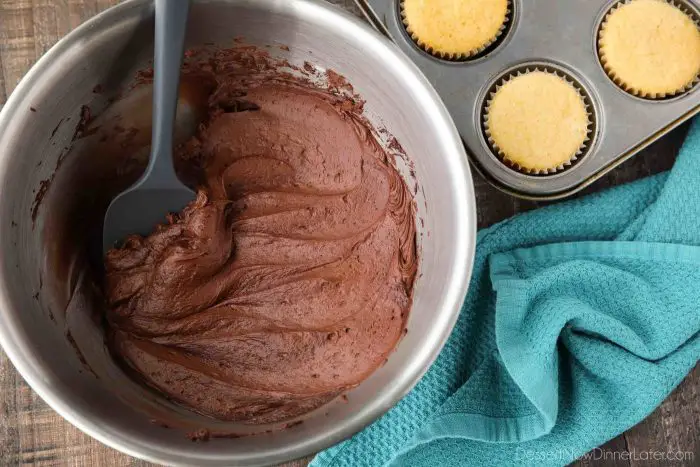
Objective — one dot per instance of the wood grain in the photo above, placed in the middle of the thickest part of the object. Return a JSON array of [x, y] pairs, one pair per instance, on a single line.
[[33, 434]]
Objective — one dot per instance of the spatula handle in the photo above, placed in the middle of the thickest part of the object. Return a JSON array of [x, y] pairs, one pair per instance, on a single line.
[[171, 26]]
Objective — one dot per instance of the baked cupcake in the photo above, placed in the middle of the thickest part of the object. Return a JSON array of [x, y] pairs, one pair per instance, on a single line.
[[537, 121], [455, 29], [650, 48]]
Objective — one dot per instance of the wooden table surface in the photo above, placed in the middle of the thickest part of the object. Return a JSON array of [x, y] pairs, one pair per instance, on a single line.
[[33, 434]]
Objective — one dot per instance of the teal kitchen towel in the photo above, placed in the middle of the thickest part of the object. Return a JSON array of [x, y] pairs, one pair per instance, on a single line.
[[580, 319]]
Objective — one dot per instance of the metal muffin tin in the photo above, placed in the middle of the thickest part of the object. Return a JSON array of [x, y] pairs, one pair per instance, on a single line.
[[559, 35]]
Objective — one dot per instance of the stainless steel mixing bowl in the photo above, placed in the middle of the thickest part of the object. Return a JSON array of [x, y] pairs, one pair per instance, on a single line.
[[107, 50]]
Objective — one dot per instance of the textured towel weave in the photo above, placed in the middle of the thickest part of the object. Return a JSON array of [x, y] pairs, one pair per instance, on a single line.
[[580, 319]]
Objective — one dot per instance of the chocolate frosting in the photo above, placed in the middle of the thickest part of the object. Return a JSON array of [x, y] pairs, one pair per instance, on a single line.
[[288, 280]]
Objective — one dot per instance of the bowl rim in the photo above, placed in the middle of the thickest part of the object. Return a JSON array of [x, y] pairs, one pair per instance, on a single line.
[[27, 364]]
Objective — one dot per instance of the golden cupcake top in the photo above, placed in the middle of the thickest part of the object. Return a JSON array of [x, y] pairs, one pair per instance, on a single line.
[[650, 48], [537, 122], [455, 28]]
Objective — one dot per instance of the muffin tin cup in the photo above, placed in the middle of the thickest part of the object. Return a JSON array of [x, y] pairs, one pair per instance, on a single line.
[[559, 72], [691, 12], [562, 35], [474, 54]]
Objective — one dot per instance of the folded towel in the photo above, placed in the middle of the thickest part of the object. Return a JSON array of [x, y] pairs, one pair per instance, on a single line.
[[580, 319]]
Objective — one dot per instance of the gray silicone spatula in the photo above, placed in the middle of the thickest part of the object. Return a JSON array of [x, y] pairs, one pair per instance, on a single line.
[[159, 191]]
